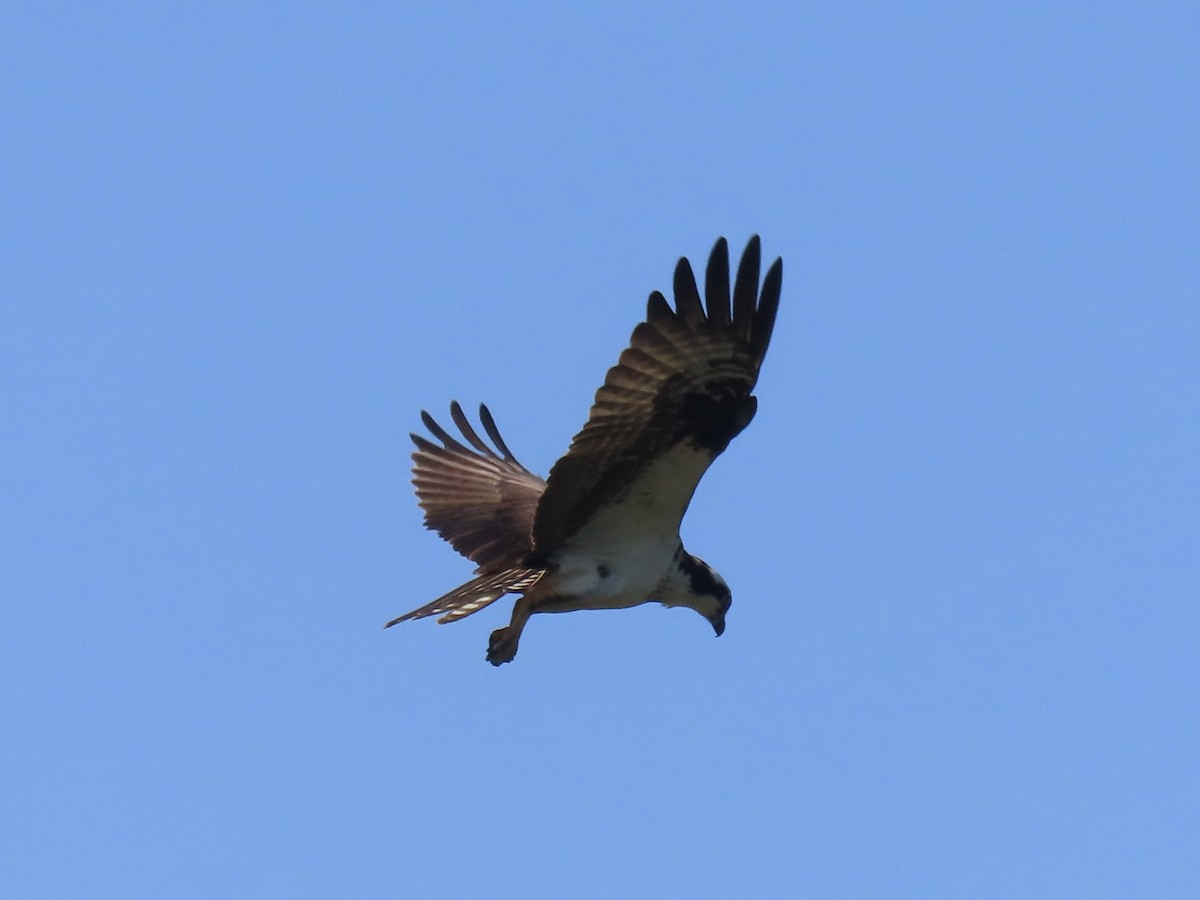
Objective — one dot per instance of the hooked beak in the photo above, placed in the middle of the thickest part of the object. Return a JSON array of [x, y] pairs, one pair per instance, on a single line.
[[718, 624]]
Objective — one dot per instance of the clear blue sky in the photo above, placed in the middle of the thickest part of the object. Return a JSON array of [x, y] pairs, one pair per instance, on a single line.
[[243, 247]]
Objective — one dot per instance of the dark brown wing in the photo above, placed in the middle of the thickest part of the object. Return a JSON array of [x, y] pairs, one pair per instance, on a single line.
[[676, 398], [480, 500]]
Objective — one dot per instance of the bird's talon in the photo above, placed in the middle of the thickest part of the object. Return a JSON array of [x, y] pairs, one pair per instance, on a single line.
[[502, 647]]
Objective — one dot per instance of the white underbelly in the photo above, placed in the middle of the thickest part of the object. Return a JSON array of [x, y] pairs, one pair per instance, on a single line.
[[620, 576], [625, 550]]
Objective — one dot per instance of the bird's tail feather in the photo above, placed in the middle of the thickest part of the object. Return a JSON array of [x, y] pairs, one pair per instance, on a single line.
[[474, 595]]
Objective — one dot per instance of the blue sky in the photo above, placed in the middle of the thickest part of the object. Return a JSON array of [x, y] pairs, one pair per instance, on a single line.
[[243, 247]]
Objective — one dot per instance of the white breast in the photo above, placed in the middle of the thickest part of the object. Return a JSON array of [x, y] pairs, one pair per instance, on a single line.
[[633, 539], [624, 573]]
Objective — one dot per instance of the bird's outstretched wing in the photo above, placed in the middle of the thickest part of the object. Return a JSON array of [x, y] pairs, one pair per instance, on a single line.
[[676, 398], [478, 498]]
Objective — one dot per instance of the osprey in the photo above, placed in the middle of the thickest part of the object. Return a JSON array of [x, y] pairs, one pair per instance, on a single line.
[[602, 532]]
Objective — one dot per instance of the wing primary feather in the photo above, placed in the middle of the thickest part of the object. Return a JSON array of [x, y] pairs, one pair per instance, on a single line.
[[423, 443], [687, 296], [464, 425], [745, 290], [768, 306], [657, 308], [441, 433], [716, 284], [489, 425]]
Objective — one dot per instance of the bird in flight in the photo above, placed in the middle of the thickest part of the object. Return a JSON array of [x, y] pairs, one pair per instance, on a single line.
[[602, 532]]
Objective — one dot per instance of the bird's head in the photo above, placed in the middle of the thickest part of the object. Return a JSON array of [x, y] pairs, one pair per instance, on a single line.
[[706, 590]]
